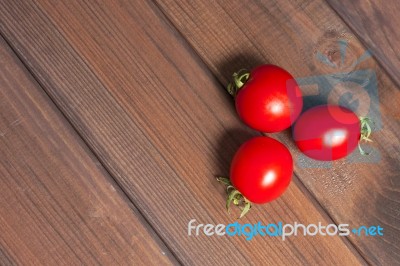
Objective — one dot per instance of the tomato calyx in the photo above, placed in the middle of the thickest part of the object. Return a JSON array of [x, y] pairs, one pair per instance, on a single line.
[[239, 79], [365, 133], [235, 197]]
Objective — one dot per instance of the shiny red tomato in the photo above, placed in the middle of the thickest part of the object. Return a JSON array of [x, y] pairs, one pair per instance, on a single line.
[[327, 132], [268, 98], [261, 169]]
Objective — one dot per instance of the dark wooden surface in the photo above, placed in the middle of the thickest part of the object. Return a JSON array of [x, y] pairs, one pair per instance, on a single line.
[[58, 204], [142, 84], [375, 22], [289, 34]]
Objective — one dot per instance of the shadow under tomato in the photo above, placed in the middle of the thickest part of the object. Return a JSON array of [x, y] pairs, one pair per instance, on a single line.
[[227, 146], [240, 61], [230, 141]]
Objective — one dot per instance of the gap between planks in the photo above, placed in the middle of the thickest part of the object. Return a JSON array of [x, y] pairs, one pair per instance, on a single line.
[[120, 188]]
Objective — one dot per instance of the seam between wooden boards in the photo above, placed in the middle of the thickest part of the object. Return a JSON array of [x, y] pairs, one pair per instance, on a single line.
[[347, 241], [120, 189], [43, 87]]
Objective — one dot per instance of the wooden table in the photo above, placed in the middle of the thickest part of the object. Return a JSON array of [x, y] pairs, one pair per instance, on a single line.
[[114, 123]]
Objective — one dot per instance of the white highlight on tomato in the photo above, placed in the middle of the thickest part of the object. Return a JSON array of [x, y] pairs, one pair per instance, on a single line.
[[276, 107], [268, 178], [335, 137]]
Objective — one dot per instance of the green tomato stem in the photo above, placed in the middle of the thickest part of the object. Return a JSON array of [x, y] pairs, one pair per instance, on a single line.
[[239, 79], [365, 131], [235, 197]]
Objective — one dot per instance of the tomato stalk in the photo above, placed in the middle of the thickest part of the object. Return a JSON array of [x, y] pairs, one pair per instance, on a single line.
[[365, 133], [235, 197], [239, 79]]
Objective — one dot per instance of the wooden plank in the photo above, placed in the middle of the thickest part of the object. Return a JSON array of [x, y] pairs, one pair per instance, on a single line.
[[230, 35], [58, 204], [160, 123], [375, 23]]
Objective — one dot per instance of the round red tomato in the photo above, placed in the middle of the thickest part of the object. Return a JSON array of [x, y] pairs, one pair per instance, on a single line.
[[269, 100], [327, 132], [261, 169]]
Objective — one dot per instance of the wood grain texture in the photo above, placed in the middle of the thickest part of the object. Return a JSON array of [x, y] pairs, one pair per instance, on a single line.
[[58, 206], [230, 35], [375, 22], [161, 124]]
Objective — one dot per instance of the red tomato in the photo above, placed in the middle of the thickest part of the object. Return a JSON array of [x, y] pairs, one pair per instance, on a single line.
[[270, 100], [327, 132], [261, 169]]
